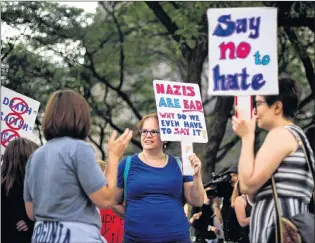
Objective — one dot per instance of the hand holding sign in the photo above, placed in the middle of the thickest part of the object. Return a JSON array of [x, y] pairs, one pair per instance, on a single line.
[[187, 150], [244, 127], [195, 163]]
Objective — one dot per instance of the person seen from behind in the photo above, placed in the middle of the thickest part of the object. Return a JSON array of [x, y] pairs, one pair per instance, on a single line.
[[64, 185]]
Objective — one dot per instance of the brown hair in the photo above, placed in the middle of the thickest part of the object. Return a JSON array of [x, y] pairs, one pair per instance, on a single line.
[[15, 157], [67, 114], [140, 124]]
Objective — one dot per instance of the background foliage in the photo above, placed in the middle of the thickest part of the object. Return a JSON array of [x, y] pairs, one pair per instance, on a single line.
[[112, 56]]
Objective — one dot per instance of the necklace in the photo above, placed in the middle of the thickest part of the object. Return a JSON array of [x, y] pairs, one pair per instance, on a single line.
[[156, 165]]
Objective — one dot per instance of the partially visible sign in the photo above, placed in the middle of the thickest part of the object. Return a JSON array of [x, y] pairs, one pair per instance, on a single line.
[[112, 226], [187, 150], [180, 112], [18, 114], [243, 57]]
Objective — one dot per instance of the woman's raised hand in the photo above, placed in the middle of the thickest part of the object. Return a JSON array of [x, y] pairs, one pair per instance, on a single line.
[[242, 127], [117, 147]]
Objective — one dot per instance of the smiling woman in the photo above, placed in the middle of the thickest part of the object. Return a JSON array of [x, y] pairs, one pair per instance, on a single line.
[[155, 179]]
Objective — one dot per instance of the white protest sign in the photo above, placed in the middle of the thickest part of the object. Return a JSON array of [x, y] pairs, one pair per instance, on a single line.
[[187, 150], [180, 112], [245, 106], [18, 114], [243, 51]]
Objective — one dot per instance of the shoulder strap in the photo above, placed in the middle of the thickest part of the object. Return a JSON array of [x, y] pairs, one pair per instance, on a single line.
[[179, 162], [278, 226], [243, 196], [309, 156], [126, 171], [310, 163]]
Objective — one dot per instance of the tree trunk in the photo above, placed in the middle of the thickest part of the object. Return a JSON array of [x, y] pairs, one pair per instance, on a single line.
[[215, 127], [216, 130], [195, 60]]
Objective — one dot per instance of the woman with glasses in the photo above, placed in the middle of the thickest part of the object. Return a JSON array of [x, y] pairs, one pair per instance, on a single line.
[[156, 188], [280, 156]]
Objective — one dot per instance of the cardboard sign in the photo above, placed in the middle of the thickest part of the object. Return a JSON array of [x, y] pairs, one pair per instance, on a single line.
[[187, 150], [245, 106], [243, 57], [18, 115], [112, 226], [180, 111]]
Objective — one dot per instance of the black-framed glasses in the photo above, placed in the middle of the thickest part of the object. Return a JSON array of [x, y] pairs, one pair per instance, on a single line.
[[153, 133]]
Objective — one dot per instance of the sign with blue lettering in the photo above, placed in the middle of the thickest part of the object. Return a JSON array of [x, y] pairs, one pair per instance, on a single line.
[[18, 114], [243, 51], [180, 112]]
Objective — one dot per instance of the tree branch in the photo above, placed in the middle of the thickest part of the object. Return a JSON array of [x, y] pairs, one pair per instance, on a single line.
[[226, 148], [304, 102], [38, 124], [307, 63], [167, 22], [121, 41], [11, 47]]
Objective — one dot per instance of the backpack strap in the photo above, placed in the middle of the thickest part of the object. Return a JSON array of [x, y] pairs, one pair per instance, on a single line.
[[126, 172], [179, 162]]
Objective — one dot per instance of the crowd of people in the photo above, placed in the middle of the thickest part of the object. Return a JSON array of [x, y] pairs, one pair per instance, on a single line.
[[53, 193]]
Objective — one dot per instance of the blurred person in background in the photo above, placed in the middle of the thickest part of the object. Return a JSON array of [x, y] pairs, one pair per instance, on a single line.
[[15, 225], [202, 221], [242, 206]]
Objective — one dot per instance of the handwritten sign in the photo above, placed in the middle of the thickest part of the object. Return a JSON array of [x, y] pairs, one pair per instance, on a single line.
[[245, 106], [112, 226], [18, 114], [187, 150], [243, 51], [180, 111]]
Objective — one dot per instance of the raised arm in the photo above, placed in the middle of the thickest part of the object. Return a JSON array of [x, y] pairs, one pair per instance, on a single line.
[[194, 191], [255, 172], [106, 196]]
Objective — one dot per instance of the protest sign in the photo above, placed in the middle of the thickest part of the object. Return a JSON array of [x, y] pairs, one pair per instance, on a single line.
[[18, 114], [187, 150], [243, 51], [180, 111], [112, 226], [245, 106], [181, 116]]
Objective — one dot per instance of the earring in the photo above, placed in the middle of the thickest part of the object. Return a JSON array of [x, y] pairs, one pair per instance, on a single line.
[[164, 146]]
